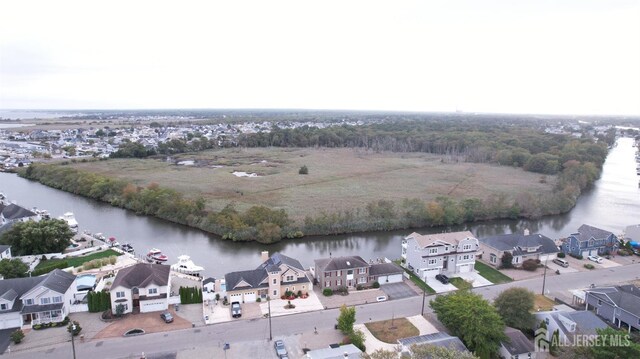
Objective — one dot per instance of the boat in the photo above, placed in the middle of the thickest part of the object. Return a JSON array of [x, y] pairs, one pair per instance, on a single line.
[[70, 218], [127, 248], [43, 213], [155, 255], [185, 265], [99, 236], [113, 242]]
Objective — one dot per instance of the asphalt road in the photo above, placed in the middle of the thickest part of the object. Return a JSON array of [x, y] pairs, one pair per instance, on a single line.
[[238, 332]]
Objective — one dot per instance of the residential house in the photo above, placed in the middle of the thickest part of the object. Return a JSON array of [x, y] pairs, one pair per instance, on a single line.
[[353, 271], [521, 246], [619, 305], [142, 287], [276, 275], [5, 251], [209, 285], [36, 300], [569, 323], [441, 253], [439, 339], [590, 240], [516, 346], [15, 213], [348, 351]]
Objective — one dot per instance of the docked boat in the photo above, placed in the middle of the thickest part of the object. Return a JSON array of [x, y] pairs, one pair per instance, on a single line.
[[155, 255], [113, 242], [99, 236], [185, 265], [127, 248], [70, 218]]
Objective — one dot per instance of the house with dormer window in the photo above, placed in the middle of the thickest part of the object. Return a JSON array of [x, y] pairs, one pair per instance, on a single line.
[[276, 275], [354, 272], [440, 253], [590, 240], [141, 288], [36, 300], [521, 247]]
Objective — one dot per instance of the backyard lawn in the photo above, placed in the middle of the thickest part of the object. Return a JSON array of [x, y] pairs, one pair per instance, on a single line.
[[389, 331], [492, 275], [460, 283], [75, 261]]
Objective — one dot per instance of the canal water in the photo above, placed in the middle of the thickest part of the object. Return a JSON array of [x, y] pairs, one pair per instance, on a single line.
[[612, 204]]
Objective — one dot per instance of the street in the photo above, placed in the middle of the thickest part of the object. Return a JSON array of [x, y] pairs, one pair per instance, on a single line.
[[213, 337]]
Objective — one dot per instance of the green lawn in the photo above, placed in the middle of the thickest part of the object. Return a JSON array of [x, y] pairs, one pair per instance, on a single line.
[[492, 275], [460, 283], [419, 282], [76, 261]]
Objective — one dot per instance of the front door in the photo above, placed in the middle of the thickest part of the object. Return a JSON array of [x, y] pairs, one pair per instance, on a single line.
[[445, 261]]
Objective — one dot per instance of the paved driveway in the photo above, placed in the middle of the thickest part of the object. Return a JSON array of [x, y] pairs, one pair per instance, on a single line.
[[5, 338], [397, 290], [439, 287], [475, 279]]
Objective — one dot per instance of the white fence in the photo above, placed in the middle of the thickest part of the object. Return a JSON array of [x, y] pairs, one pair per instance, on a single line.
[[77, 308]]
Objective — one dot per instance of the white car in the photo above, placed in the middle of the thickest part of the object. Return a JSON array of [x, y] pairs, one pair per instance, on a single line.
[[595, 258]]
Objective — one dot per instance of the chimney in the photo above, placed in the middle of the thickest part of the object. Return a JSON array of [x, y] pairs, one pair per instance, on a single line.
[[264, 256], [346, 355], [526, 232]]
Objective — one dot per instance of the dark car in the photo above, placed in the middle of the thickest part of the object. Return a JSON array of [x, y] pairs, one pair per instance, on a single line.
[[167, 317], [442, 278], [236, 311], [281, 351]]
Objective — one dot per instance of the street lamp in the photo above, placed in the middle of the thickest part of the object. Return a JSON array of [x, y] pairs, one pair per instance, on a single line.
[[544, 276], [73, 346], [424, 294]]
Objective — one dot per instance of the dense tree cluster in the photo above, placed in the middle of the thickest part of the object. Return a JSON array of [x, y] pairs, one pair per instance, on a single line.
[[46, 236]]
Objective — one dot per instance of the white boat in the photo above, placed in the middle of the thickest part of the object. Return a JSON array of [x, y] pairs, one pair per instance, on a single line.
[[70, 218], [99, 236], [185, 265], [155, 255]]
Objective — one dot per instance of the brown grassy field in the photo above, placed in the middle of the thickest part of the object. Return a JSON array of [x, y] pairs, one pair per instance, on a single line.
[[338, 179], [390, 331]]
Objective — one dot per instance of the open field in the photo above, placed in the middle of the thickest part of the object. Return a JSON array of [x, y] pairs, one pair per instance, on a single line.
[[338, 179], [389, 331]]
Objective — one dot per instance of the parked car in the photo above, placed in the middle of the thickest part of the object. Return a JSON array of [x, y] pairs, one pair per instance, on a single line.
[[561, 262], [381, 298], [167, 317], [236, 311], [595, 258], [442, 278], [281, 351]]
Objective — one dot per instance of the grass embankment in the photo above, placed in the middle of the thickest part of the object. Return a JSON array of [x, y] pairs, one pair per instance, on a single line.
[[460, 283], [389, 331], [419, 282], [542, 303], [51, 264], [492, 275]]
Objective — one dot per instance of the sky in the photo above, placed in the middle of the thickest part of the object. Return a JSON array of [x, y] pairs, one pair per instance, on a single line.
[[555, 57]]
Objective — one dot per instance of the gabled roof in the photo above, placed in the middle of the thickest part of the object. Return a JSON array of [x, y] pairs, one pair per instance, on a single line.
[[518, 343], [141, 275], [15, 288], [507, 242], [626, 297], [586, 232], [274, 262], [13, 211], [452, 238], [340, 263], [440, 339], [385, 269], [4, 247], [209, 280], [254, 278], [58, 281]]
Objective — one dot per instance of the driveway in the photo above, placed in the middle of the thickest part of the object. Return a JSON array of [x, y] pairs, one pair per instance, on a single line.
[[552, 267], [397, 290], [149, 322], [607, 263], [5, 338], [475, 279], [439, 287]]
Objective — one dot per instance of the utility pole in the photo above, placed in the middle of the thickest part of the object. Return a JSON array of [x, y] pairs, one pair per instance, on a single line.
[[269, 305], [544, 276], [424, 294]]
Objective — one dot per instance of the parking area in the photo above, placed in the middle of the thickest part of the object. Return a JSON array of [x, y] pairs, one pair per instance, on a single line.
[[397, 291], [438, 286], [149, 322]]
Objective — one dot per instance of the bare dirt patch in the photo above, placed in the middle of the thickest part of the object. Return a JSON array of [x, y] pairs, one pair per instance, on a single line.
[[389, 331]]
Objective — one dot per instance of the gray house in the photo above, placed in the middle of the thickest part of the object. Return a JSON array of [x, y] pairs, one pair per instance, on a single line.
[[521, 246], [353, 271], [590, 240], [619, 305], [439, 339], [517, 346], [569, 323]]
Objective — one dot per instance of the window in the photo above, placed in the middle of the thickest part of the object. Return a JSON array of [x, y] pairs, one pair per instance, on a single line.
[[28, 302], [119, 294], [466, 256], [432, 261], [274, 280], [57, 299], [327, 274], [446, 248], [290, 278], [466, 247], [339, 282], [362, 280], [362, 270], [153, 291], [493, 258], [327, 283], [3, 306], [433, 250], [293, 289], [275, 292], [350, 272], [45, 300], [599, 302]]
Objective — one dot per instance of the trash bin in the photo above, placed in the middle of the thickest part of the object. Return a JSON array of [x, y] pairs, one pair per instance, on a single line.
[[193, 325]]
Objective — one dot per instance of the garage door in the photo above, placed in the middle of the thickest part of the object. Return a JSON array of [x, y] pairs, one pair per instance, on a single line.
[[250, 297], [394, 278], [586, 253], [153, 306], [10, 323], [465, 268], [236, 297]]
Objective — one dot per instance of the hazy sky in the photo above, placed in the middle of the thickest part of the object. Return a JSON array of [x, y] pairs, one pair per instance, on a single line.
[[568, 57]]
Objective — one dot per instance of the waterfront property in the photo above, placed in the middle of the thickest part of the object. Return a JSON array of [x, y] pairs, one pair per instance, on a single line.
[[142, 287], [14, 213], [5, 251], [619, 305], [590, 240], [36, 300], [569, 323], [441, 253], [520, 246], [353, 272], [276, 275]]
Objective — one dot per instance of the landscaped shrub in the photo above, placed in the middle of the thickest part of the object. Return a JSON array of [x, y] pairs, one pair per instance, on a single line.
[[579, 256], [190, 295], [49, 268], [589, 266], [561, 255], [327, 292], [17, 336], [74, 328], [530, 265], [299, 293], [258, 300], [342, 290], [112, 260], [376, 284], [98, 301], [359, 287]]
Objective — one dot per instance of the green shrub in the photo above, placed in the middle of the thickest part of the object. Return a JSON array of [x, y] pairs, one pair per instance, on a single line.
[[359, 287], [112, 260], [376, 284], [530, 265], [579, 256], [258, 300], [17, 336], [37, 327], [561, 255], [74, 328], [304, 170], [589, 266], [327, 292]]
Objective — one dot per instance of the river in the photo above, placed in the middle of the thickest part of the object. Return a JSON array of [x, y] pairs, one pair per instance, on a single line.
[[612, 204]]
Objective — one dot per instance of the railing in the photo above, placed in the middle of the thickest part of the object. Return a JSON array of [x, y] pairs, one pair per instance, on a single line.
[[47, 320]]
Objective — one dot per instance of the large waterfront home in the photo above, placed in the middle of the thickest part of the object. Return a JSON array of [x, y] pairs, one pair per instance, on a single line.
[[520, 246], [142, 287], [354, 272], [441, 253], [276, 275], [36, 300], [590, 240], [619, 305]]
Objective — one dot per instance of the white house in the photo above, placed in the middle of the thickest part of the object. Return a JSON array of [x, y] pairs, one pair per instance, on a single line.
[[446, 253], [36, 300], [5, 251], [142, 287]]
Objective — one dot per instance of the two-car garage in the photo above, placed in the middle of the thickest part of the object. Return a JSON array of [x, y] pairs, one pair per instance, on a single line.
[[10, 320], [247, 297]]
